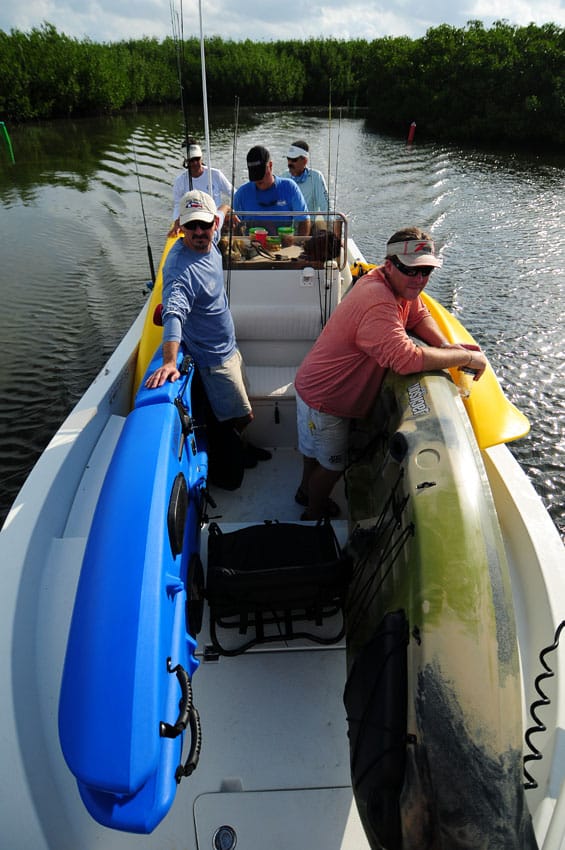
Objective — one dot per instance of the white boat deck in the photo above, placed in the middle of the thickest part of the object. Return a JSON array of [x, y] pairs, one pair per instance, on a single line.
[[267, 492], [283, 756]]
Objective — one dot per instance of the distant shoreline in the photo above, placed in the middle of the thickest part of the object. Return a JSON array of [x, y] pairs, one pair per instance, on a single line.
[[495, 87]]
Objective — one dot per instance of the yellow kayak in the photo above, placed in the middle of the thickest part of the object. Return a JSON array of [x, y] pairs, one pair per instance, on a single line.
[[493, 417], [152, 334]]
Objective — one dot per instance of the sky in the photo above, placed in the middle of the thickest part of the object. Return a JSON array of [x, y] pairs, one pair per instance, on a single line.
[[114, 20]]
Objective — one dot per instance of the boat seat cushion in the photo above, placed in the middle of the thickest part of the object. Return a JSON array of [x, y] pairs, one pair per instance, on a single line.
[[274, 382], [276, 322]]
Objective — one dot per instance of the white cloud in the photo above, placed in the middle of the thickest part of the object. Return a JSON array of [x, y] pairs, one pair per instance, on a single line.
[[521, 12], [111, 20]]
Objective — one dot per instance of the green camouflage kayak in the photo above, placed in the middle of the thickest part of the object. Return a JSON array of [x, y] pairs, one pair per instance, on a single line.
[[433, 694]]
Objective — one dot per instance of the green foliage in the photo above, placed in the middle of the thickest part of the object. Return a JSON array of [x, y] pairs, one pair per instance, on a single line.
[[501, 85]]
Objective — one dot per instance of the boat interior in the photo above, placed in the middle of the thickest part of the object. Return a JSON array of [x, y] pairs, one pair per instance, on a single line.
[[275, 745], [286, 693]]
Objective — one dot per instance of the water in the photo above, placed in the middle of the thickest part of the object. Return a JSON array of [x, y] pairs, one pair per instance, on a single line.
[[74, 265]]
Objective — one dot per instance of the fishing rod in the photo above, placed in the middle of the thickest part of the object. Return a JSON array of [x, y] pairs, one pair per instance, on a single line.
[[8, 142], [205, 101], [337, 157], [329, 140], [327, 273], [149, 252], [177, 26], [230, 234]]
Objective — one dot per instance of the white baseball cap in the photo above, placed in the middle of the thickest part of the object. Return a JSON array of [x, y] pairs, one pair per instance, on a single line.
[[197, 206]]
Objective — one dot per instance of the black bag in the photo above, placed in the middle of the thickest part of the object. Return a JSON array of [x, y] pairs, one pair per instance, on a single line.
[[322, 247], [275, 573]]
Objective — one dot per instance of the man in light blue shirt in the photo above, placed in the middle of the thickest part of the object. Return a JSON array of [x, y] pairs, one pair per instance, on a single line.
[[310, 182], [196, 312], [266, 193]]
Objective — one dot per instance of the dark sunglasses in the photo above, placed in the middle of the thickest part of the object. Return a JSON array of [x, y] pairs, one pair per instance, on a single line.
[[202, 225], [293, 158], [411, 271]]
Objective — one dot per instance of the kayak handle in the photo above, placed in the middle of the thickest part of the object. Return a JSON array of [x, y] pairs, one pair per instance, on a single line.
[[188, 716], [191, 762], [168, 730]]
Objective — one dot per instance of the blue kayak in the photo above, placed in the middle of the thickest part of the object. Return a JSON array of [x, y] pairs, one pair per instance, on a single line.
[[131, 649]]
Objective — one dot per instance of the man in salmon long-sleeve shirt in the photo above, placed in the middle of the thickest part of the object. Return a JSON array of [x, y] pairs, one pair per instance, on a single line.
[[366, 335]]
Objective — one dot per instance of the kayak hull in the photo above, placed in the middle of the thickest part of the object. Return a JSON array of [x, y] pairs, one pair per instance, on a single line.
[[428, 548], [129, 633]]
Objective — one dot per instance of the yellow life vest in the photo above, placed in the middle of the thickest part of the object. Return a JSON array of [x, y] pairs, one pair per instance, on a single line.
[[358, 269]]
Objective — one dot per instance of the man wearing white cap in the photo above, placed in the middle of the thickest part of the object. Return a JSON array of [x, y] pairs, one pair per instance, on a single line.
[[196, 312], [366, 335], [310, 182], [199, 179]]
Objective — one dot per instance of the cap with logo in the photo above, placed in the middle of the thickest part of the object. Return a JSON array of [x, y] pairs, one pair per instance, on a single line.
[[415, 252], [197, 206]]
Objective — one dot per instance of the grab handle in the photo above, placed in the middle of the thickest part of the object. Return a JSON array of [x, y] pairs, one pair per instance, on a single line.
[[193, 757], [168, 730], [188, 716]]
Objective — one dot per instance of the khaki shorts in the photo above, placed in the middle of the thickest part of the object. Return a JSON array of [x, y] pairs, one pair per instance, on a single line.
[[322, 436], [226, 388]]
